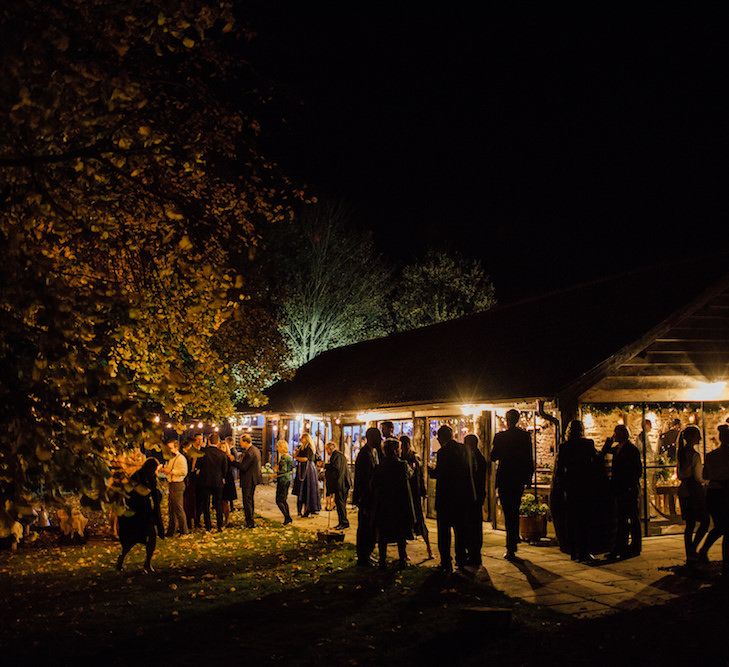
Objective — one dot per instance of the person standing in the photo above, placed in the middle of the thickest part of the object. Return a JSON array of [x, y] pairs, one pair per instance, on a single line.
[[393, 504], [336, 474], [307, 479], [230, 493], [145, 521], [475, 519], [417, 490], [363, 496], [455, 496], [577, 463], [192, 505], [176, 471], [250, 477], [716, 471], [691, 493], [512, 450], [283, 479], [213, 468], [668, 441], [625, 486]]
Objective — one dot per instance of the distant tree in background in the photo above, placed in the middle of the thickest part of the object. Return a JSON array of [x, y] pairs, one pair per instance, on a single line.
[[333, 283], [442, 286]]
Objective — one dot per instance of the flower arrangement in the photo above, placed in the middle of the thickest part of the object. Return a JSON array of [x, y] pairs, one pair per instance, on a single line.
[[531, 507]]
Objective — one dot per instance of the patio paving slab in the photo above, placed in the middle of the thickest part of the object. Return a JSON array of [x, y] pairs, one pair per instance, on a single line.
[[545, 575]]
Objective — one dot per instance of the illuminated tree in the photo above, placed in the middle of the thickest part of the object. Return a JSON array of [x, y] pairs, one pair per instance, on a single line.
[[442, 286], [333, 283], [127, 175]]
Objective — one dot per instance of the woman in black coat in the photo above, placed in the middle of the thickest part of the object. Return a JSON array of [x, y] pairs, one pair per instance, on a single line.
[[577, 467], [145, 522], [393, 503], [417, 490]]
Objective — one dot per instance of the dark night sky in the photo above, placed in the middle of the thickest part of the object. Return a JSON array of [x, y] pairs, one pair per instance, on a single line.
[[557, 148]]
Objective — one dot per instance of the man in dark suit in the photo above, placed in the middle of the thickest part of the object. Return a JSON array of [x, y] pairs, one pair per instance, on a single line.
[[455, 495], [363, 495], [475, 521], [250, 476], [336, 474], [512, 450], [626, 471], [213, 468]]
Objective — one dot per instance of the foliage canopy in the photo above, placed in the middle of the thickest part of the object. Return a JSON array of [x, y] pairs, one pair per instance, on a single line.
[[127, 175], [442, 286]]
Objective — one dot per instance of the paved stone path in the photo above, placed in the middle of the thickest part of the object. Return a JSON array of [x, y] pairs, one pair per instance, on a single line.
[[545, 575]]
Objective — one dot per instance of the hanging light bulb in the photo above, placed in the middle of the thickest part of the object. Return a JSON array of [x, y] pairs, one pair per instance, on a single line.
[[156, 419], [169, 425], [199, 424]]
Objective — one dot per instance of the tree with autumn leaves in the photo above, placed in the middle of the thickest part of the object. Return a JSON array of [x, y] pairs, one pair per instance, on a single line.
[[128, 174]]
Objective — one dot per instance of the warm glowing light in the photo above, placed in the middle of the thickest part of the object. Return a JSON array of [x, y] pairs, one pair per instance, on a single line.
[[473, 410], [199, 424], [216, 429], [337, 421], [192, 426], [692, 419], [588, 420], [156, 419], [169, 424], [249, 429], [708, 391], [621, 422], [286, 427]]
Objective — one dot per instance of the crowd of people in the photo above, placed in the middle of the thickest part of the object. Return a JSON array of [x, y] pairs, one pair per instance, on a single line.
[[586, 479], [198, 479], [389, 491]]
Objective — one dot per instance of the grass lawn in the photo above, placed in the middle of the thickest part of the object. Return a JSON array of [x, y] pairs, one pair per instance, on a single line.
[[277, 595]]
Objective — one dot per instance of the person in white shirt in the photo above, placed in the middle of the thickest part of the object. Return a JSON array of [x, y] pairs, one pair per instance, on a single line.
[[176, 470]]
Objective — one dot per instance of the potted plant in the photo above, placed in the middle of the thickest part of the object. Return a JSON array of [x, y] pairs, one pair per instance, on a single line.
[[533, 517]]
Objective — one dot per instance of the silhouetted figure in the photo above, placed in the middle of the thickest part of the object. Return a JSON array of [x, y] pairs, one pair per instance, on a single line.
[[213, 467], [336, 476], [145, 523], [454, 497], [363, 496], [393, 504], [512, 450], [249, 467], [418, 490], [191, 501], [716, 471], [283, 479], [475, 518], [691, 493], [387, 429], [668, 441], [625, 486], [577, 468]]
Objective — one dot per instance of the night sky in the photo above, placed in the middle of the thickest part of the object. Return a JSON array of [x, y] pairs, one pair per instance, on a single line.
[[556, 148]]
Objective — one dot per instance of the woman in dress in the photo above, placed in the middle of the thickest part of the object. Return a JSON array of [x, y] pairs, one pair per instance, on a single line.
[[145, 522], [418, 490], [307, 480], [230, 493], [691, 494], [576, 468], [716, 471], [393, 503]]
